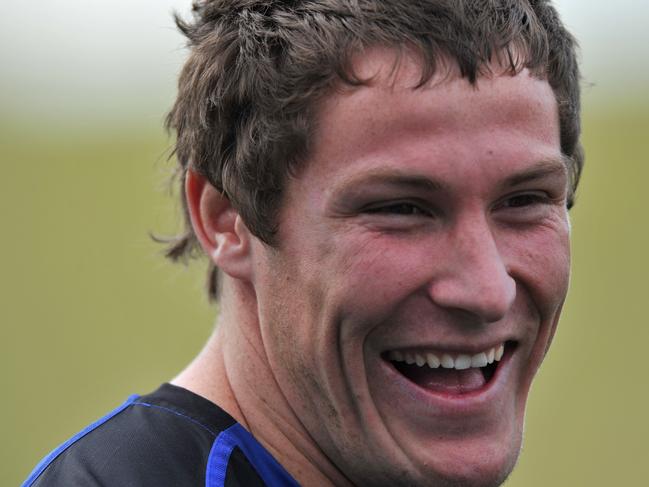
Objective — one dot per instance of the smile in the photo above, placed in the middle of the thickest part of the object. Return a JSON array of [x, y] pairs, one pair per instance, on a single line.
[[449, 373]]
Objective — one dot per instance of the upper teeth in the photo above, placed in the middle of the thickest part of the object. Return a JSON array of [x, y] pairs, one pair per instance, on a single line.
[[447, 361]]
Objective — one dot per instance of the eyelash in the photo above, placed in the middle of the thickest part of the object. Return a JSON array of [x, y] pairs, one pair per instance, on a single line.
[[406, 208], [529, 200], [403, 208]]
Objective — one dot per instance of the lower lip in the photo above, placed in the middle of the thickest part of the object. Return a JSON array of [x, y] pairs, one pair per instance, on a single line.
[[448, 403]]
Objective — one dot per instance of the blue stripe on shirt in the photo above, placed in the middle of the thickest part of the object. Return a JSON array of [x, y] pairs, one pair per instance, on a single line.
[[52, 456], [271, 472]]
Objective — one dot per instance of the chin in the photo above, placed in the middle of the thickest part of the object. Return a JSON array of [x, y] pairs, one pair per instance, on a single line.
[[490, 472], [475, 464]]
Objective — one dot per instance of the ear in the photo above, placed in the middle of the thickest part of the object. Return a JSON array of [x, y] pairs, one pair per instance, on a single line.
[[218, 227]]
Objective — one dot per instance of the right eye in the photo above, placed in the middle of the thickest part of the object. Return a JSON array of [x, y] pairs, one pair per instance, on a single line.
[[397, 208]]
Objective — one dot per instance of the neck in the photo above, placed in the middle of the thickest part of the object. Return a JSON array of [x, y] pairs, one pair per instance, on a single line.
[[233, 372]]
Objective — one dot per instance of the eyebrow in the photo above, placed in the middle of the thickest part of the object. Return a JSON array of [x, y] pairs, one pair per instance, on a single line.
[[394, 177], [540, 170]]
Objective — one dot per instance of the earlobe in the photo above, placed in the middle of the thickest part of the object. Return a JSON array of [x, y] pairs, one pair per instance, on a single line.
[[218, 227]]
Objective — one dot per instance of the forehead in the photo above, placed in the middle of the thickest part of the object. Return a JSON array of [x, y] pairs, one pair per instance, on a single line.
[[393, 117]]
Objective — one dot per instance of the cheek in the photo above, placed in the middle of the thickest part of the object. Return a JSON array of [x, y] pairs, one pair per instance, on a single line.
[[540, 262], [291, 332], [541, 267], [370, 273]]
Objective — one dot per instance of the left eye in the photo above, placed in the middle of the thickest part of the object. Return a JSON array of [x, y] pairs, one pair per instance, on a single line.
[[524, 199]]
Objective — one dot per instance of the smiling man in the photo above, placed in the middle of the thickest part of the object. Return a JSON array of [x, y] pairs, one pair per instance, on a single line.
[[382, 188]]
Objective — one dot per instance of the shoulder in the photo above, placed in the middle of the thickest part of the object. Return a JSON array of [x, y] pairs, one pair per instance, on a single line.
[[163, 439]]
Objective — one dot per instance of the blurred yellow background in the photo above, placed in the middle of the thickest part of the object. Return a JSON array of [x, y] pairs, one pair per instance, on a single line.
[[90, 312]]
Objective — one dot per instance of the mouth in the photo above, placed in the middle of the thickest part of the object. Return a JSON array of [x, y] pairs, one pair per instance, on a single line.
[[450, 373]]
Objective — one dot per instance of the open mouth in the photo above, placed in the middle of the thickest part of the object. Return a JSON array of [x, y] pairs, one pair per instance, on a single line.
[[450, 373]]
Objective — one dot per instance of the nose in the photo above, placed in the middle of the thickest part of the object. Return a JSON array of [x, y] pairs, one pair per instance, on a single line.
[[473, 276]]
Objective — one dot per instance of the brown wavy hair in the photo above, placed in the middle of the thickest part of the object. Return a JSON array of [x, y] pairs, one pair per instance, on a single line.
[[256, 70]]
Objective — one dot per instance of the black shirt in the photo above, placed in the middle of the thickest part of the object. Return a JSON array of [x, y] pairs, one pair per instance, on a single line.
[[171, 437]]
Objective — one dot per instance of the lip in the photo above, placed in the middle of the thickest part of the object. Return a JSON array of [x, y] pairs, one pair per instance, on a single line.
[[471, 403]]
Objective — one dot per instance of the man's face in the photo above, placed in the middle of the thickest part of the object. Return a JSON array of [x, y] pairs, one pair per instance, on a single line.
[[428, 225]]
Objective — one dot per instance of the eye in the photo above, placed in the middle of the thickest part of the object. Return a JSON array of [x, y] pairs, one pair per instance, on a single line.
[[527, 207], [398, 208], [525, 199]]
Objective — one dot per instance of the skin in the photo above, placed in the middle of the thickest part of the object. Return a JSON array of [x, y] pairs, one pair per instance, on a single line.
[[430, 218]]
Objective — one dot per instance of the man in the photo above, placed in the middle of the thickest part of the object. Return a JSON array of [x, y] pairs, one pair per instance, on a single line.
[[382, 189]]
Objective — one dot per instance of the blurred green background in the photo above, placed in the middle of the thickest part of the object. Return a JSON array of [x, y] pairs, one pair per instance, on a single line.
[[90, 312]]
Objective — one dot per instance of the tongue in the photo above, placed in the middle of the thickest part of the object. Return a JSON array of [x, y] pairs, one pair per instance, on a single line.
[[450, 381]]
